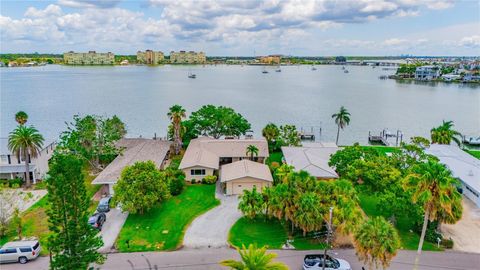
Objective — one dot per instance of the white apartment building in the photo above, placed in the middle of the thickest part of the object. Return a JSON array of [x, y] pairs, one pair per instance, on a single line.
[[90, 58]]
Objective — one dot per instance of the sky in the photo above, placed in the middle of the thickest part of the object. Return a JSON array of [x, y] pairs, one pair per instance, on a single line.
[[243, 27]]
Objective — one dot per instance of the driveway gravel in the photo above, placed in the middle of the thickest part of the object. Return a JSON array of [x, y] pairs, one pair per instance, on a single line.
[[211, 229]]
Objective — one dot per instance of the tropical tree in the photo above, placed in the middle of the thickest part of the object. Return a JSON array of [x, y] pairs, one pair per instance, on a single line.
[[21, 117], [289, 136], [343, 159], [434, 188], [309, 212], [445, 134], [342, 119], [26, 143], [254, 258], [271, 133], [251, 203], [140, 187], [282, 172], [73, 243], [376, 242], [176, 114], [252, 151]]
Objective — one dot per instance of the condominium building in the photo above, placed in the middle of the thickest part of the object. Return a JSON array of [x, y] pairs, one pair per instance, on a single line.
[[270, 59], [150, 57], [90, 58], [184, 57], [427, 73]]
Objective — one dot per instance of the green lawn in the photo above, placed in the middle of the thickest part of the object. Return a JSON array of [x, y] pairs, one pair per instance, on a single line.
[[404, 224], [475, 153], [35, 219], [275, 157], [163, 227], [382, 149], [270, 233]]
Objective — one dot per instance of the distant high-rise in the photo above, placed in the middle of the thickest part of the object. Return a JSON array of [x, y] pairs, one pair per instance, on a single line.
[[90, 58], [191, 57], [150, 57]]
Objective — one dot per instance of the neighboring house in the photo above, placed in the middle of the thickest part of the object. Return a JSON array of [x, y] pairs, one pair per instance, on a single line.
[[463, 166], [451, 77], [134, 149], [205, 156], [11, 167], [426, 73], [313, 158], [245, 174]]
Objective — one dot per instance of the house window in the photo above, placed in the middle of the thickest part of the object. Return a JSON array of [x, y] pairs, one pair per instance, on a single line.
[[197, 172]]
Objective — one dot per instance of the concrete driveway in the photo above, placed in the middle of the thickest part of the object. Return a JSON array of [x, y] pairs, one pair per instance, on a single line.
[[111, 228], [211, 229]]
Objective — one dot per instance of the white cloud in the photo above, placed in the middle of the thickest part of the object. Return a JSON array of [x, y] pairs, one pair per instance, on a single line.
[[89, 3], [470, 42], [394, 42]]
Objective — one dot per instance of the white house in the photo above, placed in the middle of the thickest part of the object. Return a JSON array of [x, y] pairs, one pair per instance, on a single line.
[[426, 73], [464, 166], [11, 167]]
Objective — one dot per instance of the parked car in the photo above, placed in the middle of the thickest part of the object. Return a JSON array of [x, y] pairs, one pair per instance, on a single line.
[[97, 220], [104, 205], [315, 262], [20, 251]]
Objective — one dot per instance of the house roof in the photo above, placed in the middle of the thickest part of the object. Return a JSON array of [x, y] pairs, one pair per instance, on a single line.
[[313, 158], [463, 165], [245, 168], [4, 146], [137, 149], [206, 152]]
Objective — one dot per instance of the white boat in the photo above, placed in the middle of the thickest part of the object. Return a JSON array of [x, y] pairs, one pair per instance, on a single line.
[[264, 71], [314, 68], [191, 75], [345, 71], [472, 141], [278, 69]]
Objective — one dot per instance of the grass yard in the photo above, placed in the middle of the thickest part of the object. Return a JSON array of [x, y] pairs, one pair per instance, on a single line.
[[163, 227], [475, 153], [35, 220], [270, 233], [404, 224], [382, 149], [275, 157]]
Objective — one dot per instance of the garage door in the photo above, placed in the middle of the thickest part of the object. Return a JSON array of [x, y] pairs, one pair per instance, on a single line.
[[238, 188]]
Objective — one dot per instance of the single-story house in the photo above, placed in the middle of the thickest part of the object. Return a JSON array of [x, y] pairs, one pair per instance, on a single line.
[[204, 156], [313, 158], [245, 174], [463, 166], [134, 149], [11, 167]]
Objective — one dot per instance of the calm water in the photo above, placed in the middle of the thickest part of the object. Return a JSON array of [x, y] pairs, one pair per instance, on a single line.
[[141, 97]]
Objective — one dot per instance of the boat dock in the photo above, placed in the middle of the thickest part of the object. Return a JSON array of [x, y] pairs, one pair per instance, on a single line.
[[382, 138]]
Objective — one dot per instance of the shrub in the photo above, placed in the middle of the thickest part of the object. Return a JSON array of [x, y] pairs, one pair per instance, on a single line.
[[447, 243], [193, 181], [40, 185], [209, 179], [274, 165], [176, 185]]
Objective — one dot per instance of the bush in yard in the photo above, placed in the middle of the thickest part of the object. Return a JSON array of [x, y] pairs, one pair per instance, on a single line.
[[193, 181], [447, 243], [140, 187], [176, 185], [209, 179], [17, 223]]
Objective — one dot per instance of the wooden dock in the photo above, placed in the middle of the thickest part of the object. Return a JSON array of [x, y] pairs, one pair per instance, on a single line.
[[380, 139]]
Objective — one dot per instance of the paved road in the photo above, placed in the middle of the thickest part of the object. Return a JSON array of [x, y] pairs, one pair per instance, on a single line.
[[211, 229], [190, 259], [111, 228]]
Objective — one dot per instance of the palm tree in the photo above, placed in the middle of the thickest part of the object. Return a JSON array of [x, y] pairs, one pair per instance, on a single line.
[[445, 134], [252, 150], [309, 213], [376, 242], [26, 143], [254, 258], [434, 188], [251, 203], [21, 117], [176, 114], [282, 172], [342, 119], [271, 132]]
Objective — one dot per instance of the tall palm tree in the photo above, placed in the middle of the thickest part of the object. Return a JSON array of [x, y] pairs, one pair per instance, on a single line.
[[376, 242], [254, 258], [342, 119], [21, 117], [25, 142], [271, 132], [252, 151], [309, 213], [434, 188], [445, 134], [176, 114]]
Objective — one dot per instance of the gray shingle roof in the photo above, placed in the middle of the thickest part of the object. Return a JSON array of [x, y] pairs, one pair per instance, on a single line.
[[313, 158]]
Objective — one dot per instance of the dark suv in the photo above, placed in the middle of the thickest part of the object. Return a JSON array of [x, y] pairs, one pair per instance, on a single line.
[[97, 220], [104, 205]]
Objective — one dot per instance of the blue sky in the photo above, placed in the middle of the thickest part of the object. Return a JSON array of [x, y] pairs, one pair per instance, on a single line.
[[294, 27]]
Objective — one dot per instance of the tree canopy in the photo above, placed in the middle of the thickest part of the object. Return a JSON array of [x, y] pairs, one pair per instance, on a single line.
[[140, 187]]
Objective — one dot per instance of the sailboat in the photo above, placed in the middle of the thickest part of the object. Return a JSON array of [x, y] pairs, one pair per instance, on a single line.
[[314, 68], [278, 69], [191, 75], [264, 71]]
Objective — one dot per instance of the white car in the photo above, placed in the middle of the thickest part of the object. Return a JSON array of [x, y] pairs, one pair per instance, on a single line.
[[315, 262], [20, 251]]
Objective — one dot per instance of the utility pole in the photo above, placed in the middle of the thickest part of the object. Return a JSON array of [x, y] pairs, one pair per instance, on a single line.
[[329, 232]]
